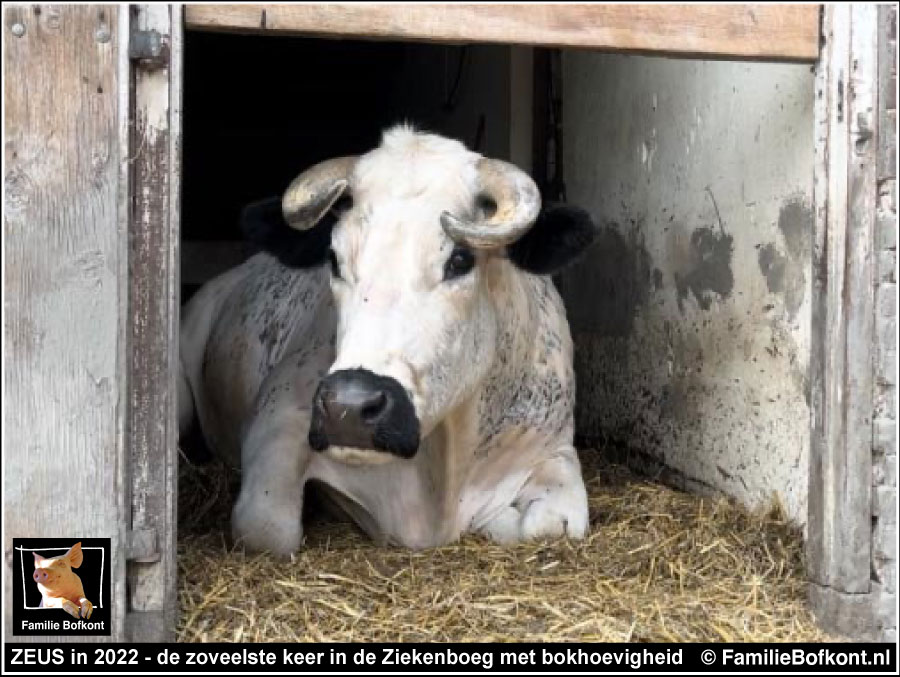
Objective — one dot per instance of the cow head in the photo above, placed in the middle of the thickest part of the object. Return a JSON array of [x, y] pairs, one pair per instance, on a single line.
[[418, 234]]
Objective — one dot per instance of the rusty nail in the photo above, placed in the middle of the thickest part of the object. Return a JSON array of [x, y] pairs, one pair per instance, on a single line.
[[18, 30], [102, 34]]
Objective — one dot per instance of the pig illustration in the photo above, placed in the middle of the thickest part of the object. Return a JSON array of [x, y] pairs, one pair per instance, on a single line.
[[59, 585]]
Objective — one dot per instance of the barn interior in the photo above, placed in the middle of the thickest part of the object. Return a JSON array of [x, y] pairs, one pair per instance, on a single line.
[[690, 316]]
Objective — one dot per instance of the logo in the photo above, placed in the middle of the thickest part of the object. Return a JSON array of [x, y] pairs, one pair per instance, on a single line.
[[61, 586]]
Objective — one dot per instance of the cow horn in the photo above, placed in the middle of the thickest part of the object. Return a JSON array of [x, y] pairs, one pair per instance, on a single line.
[[312, 194], [517, 202]]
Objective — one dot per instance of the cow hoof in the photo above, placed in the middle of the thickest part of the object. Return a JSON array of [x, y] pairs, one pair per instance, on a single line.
[[504, 528], [543, 519], [86, 609]]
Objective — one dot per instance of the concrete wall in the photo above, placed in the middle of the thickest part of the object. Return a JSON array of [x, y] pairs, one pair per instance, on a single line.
[[691, 316]]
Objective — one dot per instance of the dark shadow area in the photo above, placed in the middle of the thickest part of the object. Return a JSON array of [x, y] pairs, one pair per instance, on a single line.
[[260, 109]]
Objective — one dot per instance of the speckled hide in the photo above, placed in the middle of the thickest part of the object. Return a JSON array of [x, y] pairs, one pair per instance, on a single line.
[[486, 359]]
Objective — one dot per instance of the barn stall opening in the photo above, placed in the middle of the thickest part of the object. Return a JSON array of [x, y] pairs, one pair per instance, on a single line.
[[711, 340]]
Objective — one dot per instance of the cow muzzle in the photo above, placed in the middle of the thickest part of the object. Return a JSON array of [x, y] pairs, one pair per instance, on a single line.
[[359, 409]]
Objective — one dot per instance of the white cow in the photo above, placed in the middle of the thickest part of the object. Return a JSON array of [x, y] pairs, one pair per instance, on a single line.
[[424, 378]]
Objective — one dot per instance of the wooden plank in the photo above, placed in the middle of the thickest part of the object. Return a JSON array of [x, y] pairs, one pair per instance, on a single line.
[[771, 32], [818, 541], [839, 527], [64, 257], [854, 519], [153, 346], [830, 354]]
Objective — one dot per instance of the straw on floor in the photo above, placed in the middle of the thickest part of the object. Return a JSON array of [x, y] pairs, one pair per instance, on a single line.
[[658, 565]]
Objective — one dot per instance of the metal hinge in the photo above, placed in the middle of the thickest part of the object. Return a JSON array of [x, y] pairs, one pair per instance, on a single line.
[[149, 48], [141, 545]]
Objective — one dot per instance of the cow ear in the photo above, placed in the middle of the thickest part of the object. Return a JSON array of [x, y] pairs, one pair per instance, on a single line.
[[75, 557], [263, 224], [559, 236]]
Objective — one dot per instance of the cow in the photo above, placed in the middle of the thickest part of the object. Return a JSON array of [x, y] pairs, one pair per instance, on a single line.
[[399, 342]]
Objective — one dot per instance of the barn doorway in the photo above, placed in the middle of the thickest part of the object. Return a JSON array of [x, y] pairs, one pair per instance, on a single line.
[[598, 130]]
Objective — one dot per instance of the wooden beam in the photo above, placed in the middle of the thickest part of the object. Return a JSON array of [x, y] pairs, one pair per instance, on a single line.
[[153, 292], [840, 482], [64, 258], [765, 32]]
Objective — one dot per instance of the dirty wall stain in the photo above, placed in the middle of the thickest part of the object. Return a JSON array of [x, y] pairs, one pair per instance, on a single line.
[[709, 268]]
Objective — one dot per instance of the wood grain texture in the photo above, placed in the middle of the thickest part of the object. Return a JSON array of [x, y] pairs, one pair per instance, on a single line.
[[840, 527], [775, 32], [64, 256], [818, 541], [854, 522], [153, 285]]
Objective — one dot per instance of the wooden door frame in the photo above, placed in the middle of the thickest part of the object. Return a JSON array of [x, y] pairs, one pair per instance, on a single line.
[[152, 191], [722, 31], [840, 535], [850, 134]]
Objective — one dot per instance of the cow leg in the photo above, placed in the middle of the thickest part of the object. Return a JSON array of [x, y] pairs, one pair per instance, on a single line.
[[554, 500], [552, 503], [274, 457]]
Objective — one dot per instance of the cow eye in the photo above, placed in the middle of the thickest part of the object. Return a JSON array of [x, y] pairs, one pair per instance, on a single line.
[[461, 261], [335, 268]]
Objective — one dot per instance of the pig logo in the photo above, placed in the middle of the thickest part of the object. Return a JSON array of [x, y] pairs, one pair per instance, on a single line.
[[60, 586]]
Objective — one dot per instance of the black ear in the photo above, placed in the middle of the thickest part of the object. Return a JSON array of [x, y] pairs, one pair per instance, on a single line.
[[263, 224], [561, 233]]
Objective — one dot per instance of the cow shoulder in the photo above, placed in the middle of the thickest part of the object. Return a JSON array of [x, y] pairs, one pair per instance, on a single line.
[[560, 235], [263, 224]]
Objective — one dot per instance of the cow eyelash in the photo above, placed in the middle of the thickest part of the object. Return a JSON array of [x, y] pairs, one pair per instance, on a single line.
[[335, 268], [460, 262]]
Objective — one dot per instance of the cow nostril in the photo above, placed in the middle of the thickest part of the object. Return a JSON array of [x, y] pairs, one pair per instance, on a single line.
[[357, 408], [374, 408]]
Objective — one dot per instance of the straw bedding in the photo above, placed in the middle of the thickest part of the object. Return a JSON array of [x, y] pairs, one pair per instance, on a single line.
[[658, 565]]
